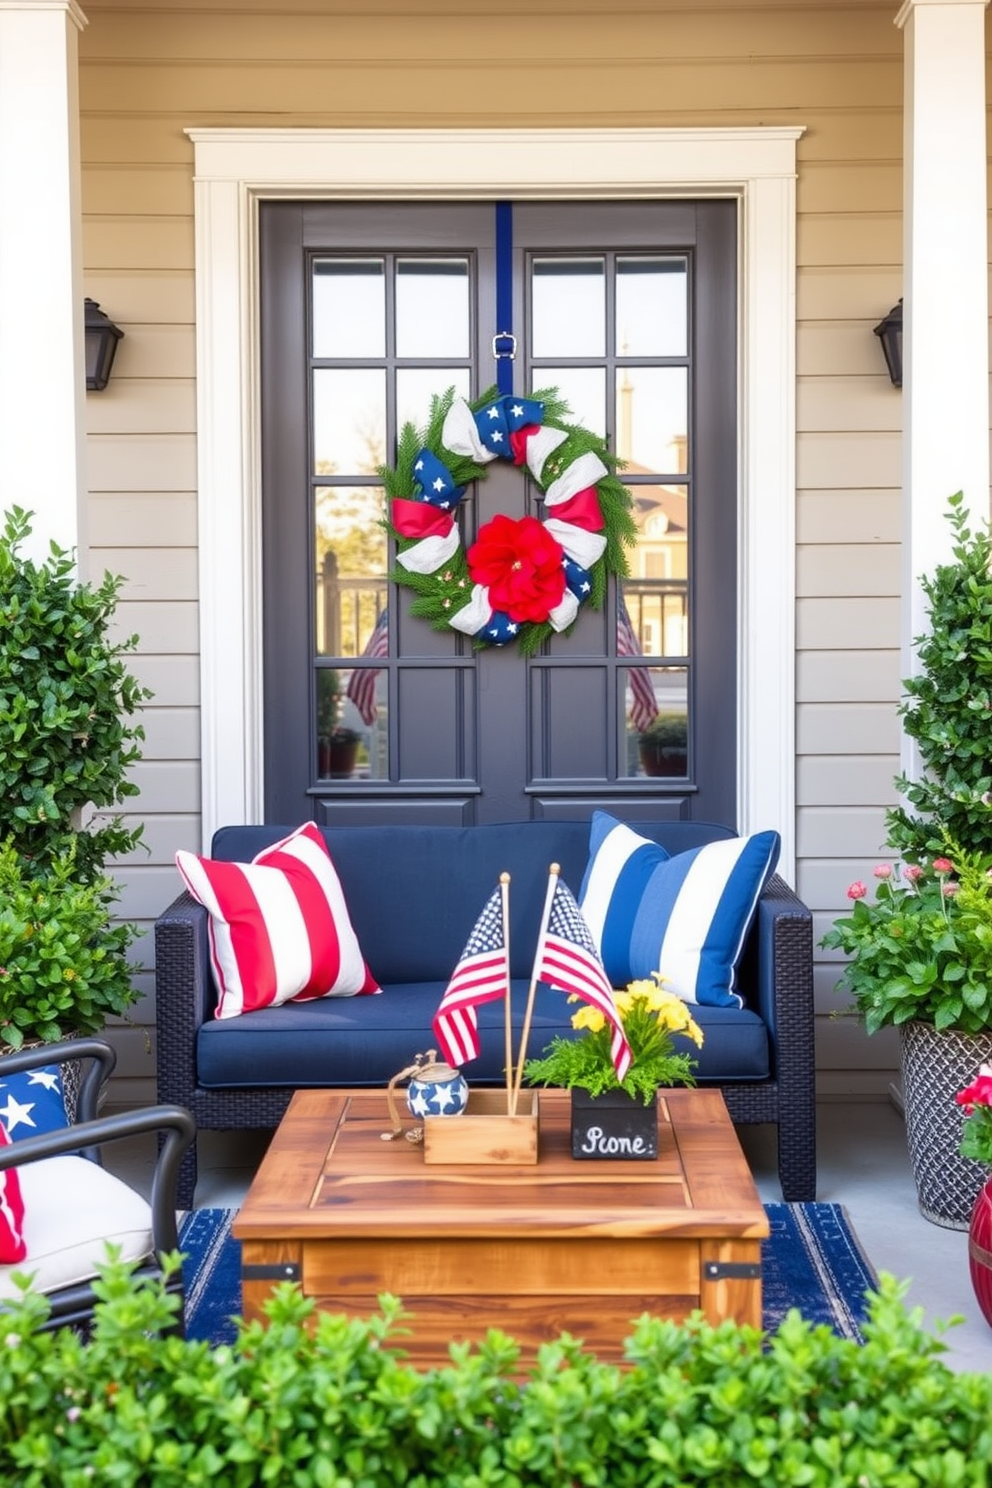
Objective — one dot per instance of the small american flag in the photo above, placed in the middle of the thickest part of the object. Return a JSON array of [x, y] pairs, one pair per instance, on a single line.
[[480, 976], [644, 704], [361, 683], [567, 958]]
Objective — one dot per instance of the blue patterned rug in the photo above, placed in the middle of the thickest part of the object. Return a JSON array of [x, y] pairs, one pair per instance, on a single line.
[[811, 1260]]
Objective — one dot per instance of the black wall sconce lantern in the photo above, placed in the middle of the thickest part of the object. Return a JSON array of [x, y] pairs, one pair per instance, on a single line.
[[102, 337], [889, 332]]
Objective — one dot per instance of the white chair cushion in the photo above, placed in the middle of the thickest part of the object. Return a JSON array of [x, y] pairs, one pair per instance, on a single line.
[[72, 1208]]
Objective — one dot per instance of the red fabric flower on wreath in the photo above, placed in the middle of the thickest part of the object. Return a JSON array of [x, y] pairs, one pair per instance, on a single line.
[[521, 565]]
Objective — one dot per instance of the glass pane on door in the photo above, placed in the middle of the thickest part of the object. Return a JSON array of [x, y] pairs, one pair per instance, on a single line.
[[388, 333]]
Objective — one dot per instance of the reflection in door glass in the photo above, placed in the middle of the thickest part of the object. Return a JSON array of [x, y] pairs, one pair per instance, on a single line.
[[656, 732], [415, 386], [652, 418], [652, 318], [352, 736], [349, 420], [432, 307], [584, 390], [352, 561], [349, 307], [656, 598], [568, 307]]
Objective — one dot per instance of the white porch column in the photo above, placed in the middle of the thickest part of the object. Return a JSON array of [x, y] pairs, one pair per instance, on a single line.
[[945, 285], [42, 372]]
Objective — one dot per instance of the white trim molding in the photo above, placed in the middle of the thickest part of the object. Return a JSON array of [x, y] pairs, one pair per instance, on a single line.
[[42, 367], [235, 169]]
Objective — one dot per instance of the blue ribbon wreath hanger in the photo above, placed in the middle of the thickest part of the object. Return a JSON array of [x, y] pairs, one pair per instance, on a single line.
[[504, 341]]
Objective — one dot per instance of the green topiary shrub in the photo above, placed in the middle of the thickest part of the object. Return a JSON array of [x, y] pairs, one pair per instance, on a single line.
[[330, 1403], [67, 702], [63, 961], [948, 706]]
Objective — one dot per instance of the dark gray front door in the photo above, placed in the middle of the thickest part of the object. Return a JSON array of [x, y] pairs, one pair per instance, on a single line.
[[629, 308]]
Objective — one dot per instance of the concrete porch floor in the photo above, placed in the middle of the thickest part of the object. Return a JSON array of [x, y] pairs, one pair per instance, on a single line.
[[863, 1165]]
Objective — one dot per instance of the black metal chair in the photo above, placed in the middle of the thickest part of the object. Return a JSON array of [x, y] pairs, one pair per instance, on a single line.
[[70, 1212]]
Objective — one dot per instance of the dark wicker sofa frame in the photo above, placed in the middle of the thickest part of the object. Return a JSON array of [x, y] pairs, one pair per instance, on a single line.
[[782, 933]]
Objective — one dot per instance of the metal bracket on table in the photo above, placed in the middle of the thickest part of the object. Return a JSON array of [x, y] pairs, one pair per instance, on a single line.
[[732, 1270], [281, 1271]]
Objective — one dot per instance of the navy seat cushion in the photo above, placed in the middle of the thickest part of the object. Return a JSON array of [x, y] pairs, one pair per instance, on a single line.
[[365, 1041]]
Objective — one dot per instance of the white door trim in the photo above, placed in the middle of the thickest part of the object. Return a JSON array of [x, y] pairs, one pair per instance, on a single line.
[[237, 168]]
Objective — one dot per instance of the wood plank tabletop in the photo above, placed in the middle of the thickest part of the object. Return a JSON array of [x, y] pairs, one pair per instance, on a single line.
[[329, 1171]]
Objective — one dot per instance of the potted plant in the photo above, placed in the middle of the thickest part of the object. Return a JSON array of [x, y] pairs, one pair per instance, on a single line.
[[976, 1146], [920, 954], [610, 1117], [63, 960], [337, 745], [948, 705], [663, 746], [67, 706]]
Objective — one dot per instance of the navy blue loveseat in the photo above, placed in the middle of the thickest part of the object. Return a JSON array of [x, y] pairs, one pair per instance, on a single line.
[[414, 894]]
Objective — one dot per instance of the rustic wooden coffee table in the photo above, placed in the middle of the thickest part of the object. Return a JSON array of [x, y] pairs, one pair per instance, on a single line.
[[563, 1245]]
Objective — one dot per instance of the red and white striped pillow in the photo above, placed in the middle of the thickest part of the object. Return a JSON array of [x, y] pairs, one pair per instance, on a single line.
[[279, 926], [12, 1247]]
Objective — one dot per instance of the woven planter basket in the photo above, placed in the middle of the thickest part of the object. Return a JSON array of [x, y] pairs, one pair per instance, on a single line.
[[935, 1066]]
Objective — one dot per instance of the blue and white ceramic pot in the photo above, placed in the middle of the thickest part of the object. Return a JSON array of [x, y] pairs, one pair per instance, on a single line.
[[437, 1090]]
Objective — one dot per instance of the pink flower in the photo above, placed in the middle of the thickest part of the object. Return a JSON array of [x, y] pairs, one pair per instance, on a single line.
[[858, 890], [943, 865], [912, 872], [979, 1093], [884, 870], [949, 890]]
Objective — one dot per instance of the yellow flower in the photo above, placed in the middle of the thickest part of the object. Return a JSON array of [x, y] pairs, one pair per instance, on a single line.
[[588, 1017]]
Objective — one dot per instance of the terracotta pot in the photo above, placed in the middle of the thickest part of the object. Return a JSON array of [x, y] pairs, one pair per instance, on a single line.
[[980, 1250], [662, 759], [613, 1125]]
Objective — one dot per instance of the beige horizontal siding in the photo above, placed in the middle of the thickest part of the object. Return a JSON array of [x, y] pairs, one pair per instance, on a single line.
[[858, 569], [122, 521], [847, 729], [865, 404], [847, 676], [835, 830], [837, 349], [171, 733], [853, 516], [150, 70], [153, 462], [161, 837], [845, 780], [843, 458], [845, 623], [165, 573], [823, 882], [845, 292], [161, 405], [167, 627]]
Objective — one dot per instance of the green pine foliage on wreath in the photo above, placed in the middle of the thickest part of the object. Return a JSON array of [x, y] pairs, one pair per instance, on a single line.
[[441, 594]]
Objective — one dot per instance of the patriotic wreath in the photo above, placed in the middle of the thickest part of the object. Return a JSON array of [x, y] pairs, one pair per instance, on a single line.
[[522, 579]]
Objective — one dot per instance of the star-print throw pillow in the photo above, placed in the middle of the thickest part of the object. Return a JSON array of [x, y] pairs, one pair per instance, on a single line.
[[32, 1102]]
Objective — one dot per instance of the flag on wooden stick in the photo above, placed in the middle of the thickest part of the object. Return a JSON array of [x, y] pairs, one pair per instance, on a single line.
[[481, 975], [567, 958]]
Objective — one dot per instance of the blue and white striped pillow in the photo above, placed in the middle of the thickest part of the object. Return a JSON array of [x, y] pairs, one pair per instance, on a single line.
[[685, 916]]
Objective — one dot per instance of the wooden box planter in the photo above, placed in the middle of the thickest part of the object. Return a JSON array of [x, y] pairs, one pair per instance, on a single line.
[[485, 1133]]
